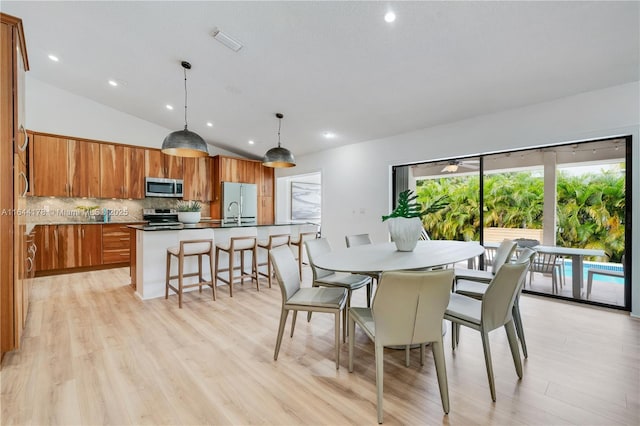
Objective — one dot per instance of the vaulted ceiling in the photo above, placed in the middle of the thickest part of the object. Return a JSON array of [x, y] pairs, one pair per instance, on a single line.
[[333, 67]]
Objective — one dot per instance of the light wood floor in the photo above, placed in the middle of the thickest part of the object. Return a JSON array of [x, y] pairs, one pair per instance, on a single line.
[[94, 354]]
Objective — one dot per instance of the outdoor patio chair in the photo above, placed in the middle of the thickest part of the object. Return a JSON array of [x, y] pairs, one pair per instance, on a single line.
[[599, 271], [550, 264]]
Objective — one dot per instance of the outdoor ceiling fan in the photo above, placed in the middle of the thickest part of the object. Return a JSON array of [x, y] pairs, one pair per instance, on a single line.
[[453, 165]]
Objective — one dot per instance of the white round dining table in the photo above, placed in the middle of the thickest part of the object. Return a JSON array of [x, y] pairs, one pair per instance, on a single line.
[[385, 257]]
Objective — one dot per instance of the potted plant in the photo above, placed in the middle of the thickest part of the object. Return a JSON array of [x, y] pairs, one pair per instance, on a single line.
[[189, 211], [405, 222]]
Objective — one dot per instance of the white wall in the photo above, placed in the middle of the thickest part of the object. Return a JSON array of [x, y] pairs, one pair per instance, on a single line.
[[283, 193], [53, 110], [356, 179]]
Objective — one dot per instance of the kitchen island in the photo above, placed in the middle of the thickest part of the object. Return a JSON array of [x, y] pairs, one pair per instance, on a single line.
[[149, 250]]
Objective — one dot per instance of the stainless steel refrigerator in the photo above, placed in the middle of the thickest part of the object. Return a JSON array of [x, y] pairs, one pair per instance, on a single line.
[[239, 199]]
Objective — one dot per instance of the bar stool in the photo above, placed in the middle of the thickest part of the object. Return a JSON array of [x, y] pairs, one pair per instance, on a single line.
[[274, 240], [299, 243], [242, 240], [190, 246]]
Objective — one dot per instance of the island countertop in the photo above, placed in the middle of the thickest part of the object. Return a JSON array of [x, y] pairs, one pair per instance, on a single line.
[[213, 225]]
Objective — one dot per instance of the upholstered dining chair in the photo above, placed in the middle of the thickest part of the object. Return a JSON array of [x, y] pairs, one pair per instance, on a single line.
[[493, 311], [503, 254], [408, 309], [294, 298], [477, 290], [361, 240], [324, 278]]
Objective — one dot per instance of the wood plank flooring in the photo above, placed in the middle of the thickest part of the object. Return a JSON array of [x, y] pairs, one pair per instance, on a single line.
[[95, 354]]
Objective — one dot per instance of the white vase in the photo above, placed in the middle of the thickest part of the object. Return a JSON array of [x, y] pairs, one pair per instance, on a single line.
[[405, 232], [189, 217]]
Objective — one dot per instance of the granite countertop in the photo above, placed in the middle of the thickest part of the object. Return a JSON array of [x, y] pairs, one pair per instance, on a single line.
[[209, 224], [87, 222]]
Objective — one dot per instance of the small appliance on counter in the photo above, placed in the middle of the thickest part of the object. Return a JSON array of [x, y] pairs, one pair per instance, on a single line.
[[162, 187], [157, 218]]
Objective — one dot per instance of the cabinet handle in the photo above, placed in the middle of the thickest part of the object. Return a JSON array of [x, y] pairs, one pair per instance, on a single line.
[[30, 267], [124, 239], [26, 184], [55, 236], [26, 139], [82, 232]]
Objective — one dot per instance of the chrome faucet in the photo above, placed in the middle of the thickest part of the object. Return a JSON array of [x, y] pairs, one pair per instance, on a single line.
[[237, 217]]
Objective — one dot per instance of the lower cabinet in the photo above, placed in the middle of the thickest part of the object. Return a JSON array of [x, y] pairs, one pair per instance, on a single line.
[[116, 247], [64, 247]]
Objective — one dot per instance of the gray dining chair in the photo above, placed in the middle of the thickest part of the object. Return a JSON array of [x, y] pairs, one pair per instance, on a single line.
[[493, 311], [325, 278], [477, 290], [503, 254], [295, 298], [408, 309], [361, 240]]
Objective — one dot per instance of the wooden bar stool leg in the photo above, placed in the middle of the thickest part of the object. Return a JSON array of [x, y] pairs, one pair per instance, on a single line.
[[213, 279], [269, 272], [180, 278], [166, 290], [254, 266], [200, 273], [231, 272]]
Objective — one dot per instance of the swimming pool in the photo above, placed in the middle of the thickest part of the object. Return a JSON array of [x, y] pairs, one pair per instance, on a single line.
[[599, 265]]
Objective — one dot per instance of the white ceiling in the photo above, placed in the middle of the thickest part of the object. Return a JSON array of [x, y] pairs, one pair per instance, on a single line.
[[328, 66]]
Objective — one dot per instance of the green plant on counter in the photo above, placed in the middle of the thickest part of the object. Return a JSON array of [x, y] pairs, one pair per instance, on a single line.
[[87, 209], [188, 206], [409, 207]]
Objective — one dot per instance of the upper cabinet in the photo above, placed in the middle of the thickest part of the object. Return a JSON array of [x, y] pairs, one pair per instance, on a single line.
[[157, 164], [197, 178], [65, 167], [121, 171]]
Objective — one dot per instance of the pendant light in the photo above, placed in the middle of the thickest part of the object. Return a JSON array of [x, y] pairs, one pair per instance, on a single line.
[[278, 156], [184, 143]]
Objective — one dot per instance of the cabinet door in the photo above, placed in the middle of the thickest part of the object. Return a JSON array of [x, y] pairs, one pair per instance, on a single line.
[[133, 173], [51, 163], [173, 166], [90, 245], [265, 210], [46, 240], [266, 181], [84, 169], [191, 184], [69, 246], [229, 170], [153, 163], [111, 171], [204, 177]]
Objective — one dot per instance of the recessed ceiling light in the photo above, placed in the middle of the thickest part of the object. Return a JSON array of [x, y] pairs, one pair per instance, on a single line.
[[54, 58], [113, 83], [251, 142], [329, 135], [169, 107], [210, 124], [389, 17]]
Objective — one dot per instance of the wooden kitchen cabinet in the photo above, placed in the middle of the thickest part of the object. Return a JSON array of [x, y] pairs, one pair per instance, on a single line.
[[197, 179], [68, 246], [121, 171], [157, 164], [13, 158], [65, 167], [116, 244]]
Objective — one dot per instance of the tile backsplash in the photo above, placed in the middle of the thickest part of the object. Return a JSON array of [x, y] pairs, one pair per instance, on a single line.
[[61, 210]]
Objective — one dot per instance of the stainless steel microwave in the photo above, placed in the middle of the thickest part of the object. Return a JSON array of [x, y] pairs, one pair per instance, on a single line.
[[162, 187]]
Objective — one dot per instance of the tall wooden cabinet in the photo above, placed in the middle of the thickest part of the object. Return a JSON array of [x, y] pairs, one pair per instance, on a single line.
[[13, 179]]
